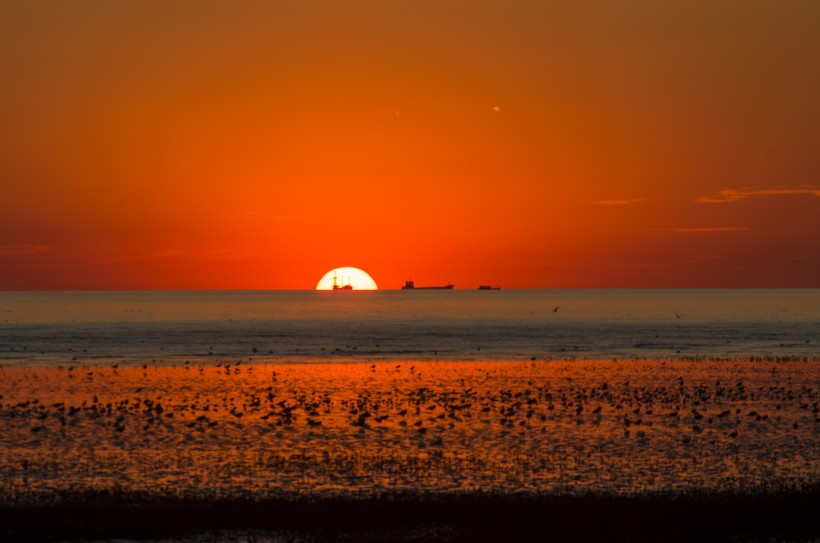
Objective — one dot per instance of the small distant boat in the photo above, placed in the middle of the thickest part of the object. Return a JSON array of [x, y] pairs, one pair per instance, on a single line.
[[343, 286], [488, 287], [411, 285]]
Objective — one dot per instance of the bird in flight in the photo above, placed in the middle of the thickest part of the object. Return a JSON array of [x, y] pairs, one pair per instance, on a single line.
[[556, 308]]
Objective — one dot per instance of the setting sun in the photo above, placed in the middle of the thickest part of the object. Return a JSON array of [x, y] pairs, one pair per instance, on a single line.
[[346, 279]]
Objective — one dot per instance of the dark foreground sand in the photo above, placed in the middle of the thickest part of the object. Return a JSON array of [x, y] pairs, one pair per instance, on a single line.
[[788, 515]]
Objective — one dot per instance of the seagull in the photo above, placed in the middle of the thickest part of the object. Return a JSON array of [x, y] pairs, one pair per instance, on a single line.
[[678, 315], [556, 308]]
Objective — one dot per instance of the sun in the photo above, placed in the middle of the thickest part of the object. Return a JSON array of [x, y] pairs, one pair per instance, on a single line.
[[346, 279]]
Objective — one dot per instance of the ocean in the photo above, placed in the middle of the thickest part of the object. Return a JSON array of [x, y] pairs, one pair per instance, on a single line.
[[310, 326]]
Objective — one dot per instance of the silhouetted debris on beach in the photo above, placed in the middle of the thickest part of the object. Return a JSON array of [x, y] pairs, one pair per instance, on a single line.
[[468, 451], [788, 514]]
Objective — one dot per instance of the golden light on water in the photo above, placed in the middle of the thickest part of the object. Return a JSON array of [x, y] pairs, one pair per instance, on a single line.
[[510, 431]]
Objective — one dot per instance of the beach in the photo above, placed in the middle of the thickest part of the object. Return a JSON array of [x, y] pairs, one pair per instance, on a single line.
[[182, 435]]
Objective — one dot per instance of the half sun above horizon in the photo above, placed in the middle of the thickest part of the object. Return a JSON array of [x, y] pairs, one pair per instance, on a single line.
[[346, 278]]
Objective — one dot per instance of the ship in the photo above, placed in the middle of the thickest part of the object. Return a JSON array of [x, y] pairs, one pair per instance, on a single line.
[[411, 285], [488, 287], [343, 286]]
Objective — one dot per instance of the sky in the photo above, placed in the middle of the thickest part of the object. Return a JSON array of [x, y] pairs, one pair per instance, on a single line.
[[520, 143]]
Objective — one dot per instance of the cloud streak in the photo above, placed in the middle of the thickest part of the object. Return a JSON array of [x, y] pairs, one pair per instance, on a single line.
[[712, 229], [733, 195], [297, 217], [174, 255], [623, 202], [23, 249]]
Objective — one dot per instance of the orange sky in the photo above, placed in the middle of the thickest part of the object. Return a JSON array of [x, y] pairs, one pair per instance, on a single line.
[[256, 144]]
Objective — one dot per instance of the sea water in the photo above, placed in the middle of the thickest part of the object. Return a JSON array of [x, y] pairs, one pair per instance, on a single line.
[[306, 326]]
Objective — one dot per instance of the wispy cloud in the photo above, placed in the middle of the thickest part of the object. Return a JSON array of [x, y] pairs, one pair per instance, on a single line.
[[176, 256], [713, 229], [297, 217], [733, 195], [163, 255], [624, 202], [23, 249]]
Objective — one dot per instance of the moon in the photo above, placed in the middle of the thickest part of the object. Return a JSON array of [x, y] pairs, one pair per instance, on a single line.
[[346, 278]]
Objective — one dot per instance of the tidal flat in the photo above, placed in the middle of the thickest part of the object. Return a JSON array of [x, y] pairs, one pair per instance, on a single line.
[[204, 438]]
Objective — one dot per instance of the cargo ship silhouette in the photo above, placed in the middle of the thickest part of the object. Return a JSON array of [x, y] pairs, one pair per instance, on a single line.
[[411, 285]]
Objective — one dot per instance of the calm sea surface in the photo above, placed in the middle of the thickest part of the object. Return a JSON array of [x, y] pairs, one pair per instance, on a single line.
[[43, 327]]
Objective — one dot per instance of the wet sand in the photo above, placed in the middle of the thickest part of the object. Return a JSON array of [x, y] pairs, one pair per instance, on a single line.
[[186, 436]]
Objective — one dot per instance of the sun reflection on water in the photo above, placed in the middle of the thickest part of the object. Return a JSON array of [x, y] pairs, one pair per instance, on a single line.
[[232, 428]]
